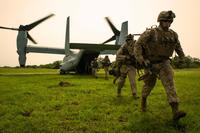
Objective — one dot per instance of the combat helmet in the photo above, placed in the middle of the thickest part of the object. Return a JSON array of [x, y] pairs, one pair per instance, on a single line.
[[166, 16], [129, 37]]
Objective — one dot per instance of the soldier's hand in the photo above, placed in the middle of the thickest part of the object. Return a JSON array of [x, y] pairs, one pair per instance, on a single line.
[[146, 63]]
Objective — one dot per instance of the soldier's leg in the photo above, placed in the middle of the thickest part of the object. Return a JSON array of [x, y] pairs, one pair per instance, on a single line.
[[122, 78], [117, 75], [166, 77], [121, 82], [106, 72], [92, 71], [149, 83], [131, 76], [95, 72], [115, 79]]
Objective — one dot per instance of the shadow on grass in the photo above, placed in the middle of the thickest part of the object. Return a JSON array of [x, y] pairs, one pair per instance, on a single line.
[[124, 100], [147, 122]]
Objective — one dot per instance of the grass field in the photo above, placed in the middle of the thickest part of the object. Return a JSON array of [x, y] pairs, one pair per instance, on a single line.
[[31, 101]]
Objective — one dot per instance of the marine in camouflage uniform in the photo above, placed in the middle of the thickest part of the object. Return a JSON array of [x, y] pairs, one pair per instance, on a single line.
[[126, 61], [94, 65], [106, 63], [153, 49]]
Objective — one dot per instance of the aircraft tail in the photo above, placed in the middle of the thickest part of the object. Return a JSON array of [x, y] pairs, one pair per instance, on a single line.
[[119, 36], [123, 33], [67, 37]]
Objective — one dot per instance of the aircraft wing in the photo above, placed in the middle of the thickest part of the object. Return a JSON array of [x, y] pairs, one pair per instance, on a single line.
[[48, 50], [101, 48]]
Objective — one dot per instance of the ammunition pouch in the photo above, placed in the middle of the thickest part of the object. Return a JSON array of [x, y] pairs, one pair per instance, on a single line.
[[120, 58], [114, 72]]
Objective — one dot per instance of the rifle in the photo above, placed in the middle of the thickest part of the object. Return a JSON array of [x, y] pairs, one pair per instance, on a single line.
[[150, 70], [145, 66], [144, 76]]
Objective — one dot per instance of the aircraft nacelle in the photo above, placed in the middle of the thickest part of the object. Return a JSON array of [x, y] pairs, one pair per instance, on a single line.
[[21, 47], [23, 36]]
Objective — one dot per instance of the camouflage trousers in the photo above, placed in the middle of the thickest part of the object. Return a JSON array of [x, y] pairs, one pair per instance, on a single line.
[[106, 69], [165, 73], [131, 72], [94, 72]]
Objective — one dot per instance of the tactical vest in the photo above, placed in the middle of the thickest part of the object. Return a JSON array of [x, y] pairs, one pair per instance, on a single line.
[[128, 52], [106, 62], [161, 45], [128, 49], [94, 64]]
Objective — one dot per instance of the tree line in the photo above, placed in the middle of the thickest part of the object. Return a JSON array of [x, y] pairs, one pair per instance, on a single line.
[[54, 65], [187, 62]]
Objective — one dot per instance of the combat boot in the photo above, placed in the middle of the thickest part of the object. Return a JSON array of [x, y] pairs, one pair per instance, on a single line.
[[118, 92], [119, 88], [114, 80], [144, 104], [176, 113]]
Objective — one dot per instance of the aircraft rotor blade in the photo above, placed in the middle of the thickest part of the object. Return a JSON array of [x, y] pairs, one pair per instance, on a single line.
[[32, 25], [1, 27], [110, 39], [30, 38], [114, 29]]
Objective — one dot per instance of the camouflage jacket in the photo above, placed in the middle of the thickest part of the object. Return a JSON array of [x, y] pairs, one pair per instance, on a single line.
[[94, 64], [157, 45], [125, 54], [106, 62]]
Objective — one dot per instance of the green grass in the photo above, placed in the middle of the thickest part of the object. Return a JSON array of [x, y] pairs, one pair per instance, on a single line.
[[31, 101]]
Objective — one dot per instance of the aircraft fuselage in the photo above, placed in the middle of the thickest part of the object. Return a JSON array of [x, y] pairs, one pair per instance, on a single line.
[[80, 62]]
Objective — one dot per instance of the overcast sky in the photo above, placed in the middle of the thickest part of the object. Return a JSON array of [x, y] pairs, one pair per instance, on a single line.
[[88, 24]]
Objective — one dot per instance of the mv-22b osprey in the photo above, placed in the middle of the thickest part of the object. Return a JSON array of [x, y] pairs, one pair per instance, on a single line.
[[73, 60]]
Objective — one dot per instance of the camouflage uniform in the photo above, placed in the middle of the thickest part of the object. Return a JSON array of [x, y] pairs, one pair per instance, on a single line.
[[115, 71], [153, 48], [106, 64], [126, 61], [94, 65]]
